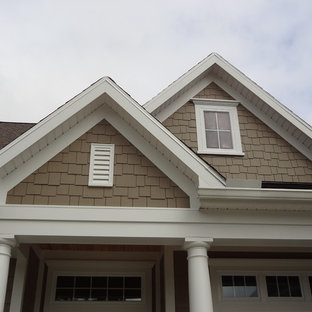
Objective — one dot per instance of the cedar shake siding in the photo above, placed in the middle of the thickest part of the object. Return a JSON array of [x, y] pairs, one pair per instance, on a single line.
[[64, 179], [213, 91], [268, 157]]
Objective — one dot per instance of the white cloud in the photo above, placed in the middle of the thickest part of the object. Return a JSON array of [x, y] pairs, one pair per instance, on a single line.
[[51, 50]]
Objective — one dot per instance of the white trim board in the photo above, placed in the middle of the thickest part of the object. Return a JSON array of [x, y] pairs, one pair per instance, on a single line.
[[171, 108], [153, 225]]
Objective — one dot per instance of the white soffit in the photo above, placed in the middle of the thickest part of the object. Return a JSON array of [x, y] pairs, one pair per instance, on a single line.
[[214, 68]]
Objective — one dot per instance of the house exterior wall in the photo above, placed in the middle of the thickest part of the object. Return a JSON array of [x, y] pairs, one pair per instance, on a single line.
[[267, 157], [64, 179]]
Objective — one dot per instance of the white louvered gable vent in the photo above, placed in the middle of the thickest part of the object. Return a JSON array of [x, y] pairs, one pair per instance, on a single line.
[[101, 165]]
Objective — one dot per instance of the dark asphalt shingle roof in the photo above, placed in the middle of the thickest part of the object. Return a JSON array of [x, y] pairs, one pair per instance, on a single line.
[[9, 131]]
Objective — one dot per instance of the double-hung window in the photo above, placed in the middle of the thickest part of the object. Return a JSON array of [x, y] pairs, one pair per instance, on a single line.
[[217, 127]]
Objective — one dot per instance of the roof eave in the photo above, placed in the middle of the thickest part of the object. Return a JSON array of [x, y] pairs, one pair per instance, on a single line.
[[256, 199]]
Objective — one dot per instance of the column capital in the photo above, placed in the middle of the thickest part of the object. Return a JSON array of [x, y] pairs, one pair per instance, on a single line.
[[8, 239], [7, 242], [205, 242]]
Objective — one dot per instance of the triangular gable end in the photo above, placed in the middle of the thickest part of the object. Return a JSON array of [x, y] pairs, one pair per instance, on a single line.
[[63, 180], [267, 156], [104, 100], [214, 69]]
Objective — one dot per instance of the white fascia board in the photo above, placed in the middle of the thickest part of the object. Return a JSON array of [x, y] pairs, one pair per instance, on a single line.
[[53, 120], [170, 109], [207, 176], [183, 81], [256, 199], [50, 151], [263, 95], [264, 118]]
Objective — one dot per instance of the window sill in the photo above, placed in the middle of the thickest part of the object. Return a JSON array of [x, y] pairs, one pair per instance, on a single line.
[[220, 152]]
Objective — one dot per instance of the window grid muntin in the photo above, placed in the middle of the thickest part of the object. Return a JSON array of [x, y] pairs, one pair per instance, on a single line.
[[239, 291], [278, 286], [107, 290], [218, 129]]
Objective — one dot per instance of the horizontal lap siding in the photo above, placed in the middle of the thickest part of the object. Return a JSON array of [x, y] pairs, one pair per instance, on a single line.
[[64, 179], [268, 157]]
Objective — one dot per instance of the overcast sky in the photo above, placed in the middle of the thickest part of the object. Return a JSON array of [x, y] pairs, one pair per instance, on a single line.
[[53, 49]]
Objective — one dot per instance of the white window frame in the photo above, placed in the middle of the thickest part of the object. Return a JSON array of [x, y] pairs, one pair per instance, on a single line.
[[236, 273], [109, 275], [142, 269], [261, 268], [202, 105], [300, 275], [111, 149]]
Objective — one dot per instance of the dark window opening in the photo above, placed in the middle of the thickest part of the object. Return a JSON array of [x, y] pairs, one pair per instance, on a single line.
[[287, 185], [239, 286], [283, 286], [98, 288]]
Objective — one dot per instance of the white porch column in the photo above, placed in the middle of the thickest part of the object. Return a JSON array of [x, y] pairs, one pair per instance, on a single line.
[[19, 281], [6, 245], [169, 279], [200, 297]]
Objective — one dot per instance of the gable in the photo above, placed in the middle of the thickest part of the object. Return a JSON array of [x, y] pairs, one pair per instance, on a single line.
[[267, 156], [245, 91], [105, 100], [63, 180]]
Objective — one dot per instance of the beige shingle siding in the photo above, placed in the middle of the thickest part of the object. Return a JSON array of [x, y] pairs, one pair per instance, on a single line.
[[268, 157], [213, 91], [64, 179]]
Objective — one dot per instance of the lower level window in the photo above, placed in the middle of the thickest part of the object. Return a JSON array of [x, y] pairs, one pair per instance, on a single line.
[[310, 282], [239, 286], [98, 288], [283, 286]]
